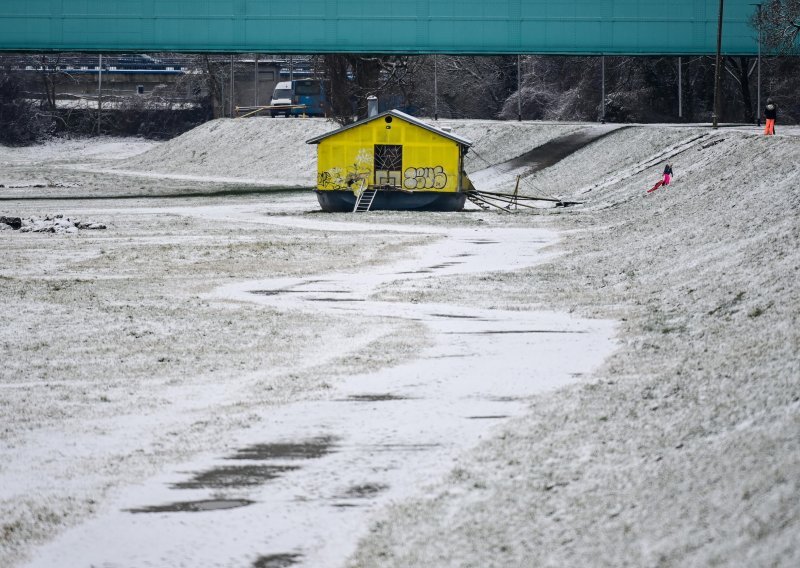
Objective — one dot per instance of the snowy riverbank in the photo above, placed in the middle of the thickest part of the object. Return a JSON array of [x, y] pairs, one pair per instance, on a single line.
[[681, 449]]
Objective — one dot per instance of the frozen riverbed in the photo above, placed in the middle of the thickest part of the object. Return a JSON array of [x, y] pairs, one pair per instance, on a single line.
[[302, 483], [165, 364]]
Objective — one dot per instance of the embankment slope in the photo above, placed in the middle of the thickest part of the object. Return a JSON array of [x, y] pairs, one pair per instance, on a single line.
[[273, 152], [684, 448]]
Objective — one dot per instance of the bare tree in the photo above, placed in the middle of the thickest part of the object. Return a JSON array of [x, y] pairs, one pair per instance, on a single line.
[[49, 69], [780, 25], [468, 86], [740, 69], [21, 120], [213, 73], [557, 88], [352, 78], [638, 89]]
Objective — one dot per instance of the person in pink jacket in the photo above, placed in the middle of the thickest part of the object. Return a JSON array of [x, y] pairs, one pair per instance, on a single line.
[[665, 179]]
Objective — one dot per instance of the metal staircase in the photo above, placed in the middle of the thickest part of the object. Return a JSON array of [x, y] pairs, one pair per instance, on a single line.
[[477, 200], [365, 199]]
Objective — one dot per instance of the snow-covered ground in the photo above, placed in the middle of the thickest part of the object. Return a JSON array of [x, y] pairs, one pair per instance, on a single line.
[[416, 364]]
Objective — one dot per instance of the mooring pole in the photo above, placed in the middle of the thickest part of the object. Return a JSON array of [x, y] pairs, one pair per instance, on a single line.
[[99, 92], [680, 87], [717, 66], [435, 88], [603, 88], [519, 89]]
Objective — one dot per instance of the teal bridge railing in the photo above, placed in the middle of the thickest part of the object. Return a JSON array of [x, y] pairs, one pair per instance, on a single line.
[[631, 27]]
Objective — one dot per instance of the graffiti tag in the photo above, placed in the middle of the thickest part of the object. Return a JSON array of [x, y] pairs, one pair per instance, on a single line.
[[424, 178], [351, 178]]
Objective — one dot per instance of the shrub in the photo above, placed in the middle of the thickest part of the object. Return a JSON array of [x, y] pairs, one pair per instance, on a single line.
[[21, 121]]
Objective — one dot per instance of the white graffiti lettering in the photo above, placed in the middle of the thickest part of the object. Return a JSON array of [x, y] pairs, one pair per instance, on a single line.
[[424, 178]]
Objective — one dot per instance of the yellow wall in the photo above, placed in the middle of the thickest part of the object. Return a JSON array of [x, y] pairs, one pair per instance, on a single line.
[[430, 161]]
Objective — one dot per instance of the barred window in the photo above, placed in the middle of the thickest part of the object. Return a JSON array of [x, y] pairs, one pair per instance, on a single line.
[[388, 157]]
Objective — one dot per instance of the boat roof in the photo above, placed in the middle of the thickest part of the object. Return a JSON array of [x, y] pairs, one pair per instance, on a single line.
[[402, 116]]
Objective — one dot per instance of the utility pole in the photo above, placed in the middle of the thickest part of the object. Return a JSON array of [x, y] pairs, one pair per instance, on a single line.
[[255, 81], [758, 96], [99, 92], [435, 88], [230, 104], [680, 87], [519, 89], [603, 89], [717, 66]]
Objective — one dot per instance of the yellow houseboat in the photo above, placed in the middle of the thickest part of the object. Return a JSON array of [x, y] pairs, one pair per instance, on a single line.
[[395, 162]]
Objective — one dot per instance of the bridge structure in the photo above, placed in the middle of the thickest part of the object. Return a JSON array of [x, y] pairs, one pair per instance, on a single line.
[[479, 27]]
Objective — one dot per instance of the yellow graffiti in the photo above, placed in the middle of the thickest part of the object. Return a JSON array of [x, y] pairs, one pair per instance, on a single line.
[[424, 178]]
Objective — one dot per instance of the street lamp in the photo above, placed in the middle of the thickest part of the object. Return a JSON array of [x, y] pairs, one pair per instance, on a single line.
[[717, 66]]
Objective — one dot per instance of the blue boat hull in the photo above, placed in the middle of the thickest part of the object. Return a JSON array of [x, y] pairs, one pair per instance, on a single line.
[[344, 201]]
